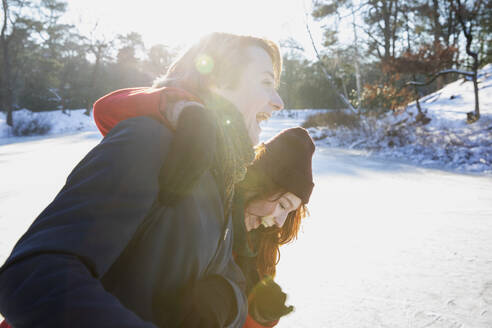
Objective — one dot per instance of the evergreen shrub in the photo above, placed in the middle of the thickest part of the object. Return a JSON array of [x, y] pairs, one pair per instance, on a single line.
[[28, 126]]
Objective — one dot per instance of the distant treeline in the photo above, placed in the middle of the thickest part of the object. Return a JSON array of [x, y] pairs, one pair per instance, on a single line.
[[46, 65], [402, 49]]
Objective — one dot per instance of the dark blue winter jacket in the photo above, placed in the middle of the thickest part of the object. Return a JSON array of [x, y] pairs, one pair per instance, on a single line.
[[106, 253]]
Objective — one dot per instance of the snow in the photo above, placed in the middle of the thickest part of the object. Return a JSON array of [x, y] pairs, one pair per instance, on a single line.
[[58, 122], [389, 243]]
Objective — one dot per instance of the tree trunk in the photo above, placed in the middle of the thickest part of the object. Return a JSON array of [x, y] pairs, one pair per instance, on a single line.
[[344, 87], [475, 86], [327, 75], [386, 30], [469, 38], [437, 34], [10, 117], [98, 53], [5, 83], [416, 92], [357, 68]]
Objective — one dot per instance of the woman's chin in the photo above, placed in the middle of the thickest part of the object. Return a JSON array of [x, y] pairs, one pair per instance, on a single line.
[[254, 133], [257, 224], [252, 223]]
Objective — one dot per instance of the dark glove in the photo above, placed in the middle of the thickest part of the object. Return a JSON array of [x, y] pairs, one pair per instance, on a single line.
[[267, 302], [209, 303], [190, 154]]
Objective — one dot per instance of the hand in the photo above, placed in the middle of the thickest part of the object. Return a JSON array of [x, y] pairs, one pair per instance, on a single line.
[[172, 113], [209, 303], [267, 302], [191, 153]]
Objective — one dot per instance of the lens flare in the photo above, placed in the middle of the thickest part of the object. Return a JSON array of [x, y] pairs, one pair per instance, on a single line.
[[204, 64]]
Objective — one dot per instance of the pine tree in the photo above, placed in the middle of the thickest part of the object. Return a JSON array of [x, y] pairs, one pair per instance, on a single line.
[[16, 29]]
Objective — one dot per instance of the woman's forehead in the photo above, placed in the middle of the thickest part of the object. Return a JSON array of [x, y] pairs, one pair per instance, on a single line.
[[292, 198], [259, 61]]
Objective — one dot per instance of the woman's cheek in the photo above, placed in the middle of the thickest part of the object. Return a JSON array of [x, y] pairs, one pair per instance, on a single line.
[[263, 208]]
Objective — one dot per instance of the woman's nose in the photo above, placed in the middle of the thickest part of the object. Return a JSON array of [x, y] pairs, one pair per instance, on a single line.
[[276, 101]]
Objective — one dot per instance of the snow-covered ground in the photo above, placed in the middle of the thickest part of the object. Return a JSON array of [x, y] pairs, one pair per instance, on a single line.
[[447, 142], [388, 244], [399, 236], [56, 122]]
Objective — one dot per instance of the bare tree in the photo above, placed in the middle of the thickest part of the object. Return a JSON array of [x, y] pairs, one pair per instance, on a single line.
[[5, 78], [99, 47], [17, 27], [328, 75], [356, 60], [467, 18]]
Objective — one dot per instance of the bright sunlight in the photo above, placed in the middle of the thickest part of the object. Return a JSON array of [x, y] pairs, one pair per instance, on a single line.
[[181, 22]]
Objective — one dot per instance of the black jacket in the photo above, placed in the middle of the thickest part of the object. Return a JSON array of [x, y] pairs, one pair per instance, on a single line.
[[106, 253]]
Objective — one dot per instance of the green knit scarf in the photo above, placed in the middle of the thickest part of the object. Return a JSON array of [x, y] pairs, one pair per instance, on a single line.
[[234, 150]]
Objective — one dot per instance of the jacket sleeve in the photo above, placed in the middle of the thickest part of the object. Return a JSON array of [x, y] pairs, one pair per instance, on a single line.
[[235, 278], [52, 277], [247, 266]]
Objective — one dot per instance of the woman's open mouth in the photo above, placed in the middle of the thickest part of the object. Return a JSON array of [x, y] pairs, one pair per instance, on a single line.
[[262, 116]]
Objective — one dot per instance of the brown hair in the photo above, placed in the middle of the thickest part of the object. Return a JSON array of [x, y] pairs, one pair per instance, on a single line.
[[256, 185], [217, 58]]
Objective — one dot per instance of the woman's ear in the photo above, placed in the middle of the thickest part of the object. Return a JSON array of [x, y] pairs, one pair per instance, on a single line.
[[221, 89]]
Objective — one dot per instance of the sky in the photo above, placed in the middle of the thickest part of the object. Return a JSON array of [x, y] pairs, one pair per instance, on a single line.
[[179, 23]]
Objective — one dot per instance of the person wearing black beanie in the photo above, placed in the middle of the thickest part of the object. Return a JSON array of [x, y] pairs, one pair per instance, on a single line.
[[268, 209]]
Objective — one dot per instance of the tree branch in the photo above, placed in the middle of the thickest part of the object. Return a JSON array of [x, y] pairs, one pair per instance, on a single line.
[[325, 71], [446, 71], [359, 8], [369, 34]]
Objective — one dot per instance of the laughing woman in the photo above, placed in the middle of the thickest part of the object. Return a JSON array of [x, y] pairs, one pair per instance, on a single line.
[[267, 213]]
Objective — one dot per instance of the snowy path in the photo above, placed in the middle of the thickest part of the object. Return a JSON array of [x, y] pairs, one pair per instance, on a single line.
[[32, 171], [387, 244]]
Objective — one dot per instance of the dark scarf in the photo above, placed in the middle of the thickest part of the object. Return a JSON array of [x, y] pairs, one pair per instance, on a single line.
[[234, 148], [245, 244], [242, 238]]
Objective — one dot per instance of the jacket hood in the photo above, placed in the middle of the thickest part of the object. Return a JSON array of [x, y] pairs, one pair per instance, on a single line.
[[123, 104]]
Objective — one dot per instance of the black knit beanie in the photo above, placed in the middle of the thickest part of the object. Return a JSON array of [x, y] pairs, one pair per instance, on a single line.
[[287, 161]]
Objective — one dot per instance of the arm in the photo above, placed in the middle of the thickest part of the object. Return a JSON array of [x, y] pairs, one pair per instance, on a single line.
[[235, 278], [267, 295], [264, 296], [52, 277], [217, 300]]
